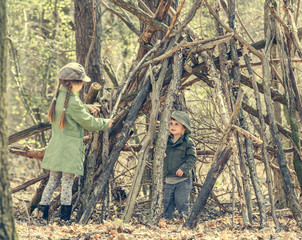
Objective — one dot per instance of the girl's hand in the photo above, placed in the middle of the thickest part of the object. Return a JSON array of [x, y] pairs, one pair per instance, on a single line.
[[110, 123], [179, 172], [92, 108]]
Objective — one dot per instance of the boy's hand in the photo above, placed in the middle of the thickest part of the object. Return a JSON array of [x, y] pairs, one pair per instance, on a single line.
[[179, 172]]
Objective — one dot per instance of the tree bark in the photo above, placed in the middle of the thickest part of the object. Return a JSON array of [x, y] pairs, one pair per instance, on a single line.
[[161, 142], [88, 40], [146, 151], [7, 224], [269, 29]]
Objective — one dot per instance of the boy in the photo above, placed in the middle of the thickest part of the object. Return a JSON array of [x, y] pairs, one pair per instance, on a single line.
[[178, 163]]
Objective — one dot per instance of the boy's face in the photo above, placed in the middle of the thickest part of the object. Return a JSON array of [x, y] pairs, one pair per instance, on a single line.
[[176, 128]]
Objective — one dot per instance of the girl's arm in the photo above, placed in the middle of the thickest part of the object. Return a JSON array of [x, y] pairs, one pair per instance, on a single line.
[[80, 114]]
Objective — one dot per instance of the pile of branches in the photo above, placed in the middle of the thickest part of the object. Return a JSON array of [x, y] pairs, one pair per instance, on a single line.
[[152, 86]]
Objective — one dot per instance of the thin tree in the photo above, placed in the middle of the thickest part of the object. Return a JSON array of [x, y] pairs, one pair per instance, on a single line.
[[7, 225]]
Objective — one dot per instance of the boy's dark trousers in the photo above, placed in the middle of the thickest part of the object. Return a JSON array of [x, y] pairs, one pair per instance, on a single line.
[[177, 196]]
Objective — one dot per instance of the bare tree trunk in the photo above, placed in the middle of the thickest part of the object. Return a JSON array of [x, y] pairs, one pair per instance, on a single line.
[[243, 123], [146, 151], [7, 224], [86, 186], [264, 146], [246, 207], [269, 29], [225, 79], [88, 49], [253, 173], [88, 40], [161, 143]]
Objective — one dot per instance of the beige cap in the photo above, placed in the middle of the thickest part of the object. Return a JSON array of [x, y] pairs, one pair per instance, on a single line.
[[73, 71]]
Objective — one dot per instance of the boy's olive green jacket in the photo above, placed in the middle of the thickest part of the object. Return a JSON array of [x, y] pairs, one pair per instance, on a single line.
[[179, 155], [65, 151]]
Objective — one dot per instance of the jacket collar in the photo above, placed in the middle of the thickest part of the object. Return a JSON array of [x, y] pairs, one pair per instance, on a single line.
[[179, 141]]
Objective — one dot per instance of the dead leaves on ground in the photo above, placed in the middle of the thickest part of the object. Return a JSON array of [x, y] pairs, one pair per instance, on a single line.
[[220, 228]]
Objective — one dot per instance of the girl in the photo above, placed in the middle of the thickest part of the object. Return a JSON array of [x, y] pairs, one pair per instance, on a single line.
[[178, 163], [64, 155]]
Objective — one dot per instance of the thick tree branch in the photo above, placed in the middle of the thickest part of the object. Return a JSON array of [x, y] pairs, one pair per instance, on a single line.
[[28, 132]]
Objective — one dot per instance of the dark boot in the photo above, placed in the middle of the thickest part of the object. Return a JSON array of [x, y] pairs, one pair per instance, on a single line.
[[66, 212], [45, 210]]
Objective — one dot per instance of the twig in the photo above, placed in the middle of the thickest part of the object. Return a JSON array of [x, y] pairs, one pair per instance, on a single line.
[[174, 19], [233, 117], [298, 60], [243, 26], [129, 24], [28, 132], [146, 8], [277, 17], [297, 13], [236, 35], [129, 6], [188, 17], [292, 27], [111, 75], [129, 78], [247, 134], [17, 77]]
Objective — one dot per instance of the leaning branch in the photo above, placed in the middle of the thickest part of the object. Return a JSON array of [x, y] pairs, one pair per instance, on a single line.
[[208, 44], [41, 127], [29, 183], [28, 152], [247, 134]]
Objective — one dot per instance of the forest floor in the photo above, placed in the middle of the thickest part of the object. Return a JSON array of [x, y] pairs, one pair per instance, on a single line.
[[212, 225]]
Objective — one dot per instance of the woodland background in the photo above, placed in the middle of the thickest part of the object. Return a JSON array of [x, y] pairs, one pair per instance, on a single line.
[[203, 74]]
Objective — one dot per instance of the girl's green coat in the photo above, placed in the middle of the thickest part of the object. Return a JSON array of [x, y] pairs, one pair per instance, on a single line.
[[65, 151]]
